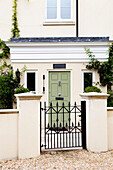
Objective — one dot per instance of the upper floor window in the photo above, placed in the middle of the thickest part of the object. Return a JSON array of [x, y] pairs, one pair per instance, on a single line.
[[59, 9]]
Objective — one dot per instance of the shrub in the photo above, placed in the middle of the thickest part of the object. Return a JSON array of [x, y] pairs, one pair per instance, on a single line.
[[92, 89], [7, 85], [110, 99], [21, 90]]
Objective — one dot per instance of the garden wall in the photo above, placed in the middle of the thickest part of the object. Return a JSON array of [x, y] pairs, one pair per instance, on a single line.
[[20, 129], [110, 127], [8, 133]]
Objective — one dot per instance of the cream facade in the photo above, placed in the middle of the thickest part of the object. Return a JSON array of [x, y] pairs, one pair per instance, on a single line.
[[94, 19], [39, 58]]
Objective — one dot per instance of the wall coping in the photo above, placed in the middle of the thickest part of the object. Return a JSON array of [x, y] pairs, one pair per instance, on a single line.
[[94, 95], [109, 108], [28, 96], [9, 111]]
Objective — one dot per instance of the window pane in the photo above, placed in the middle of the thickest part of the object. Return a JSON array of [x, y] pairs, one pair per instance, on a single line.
[[65, 3], [87, 80], [51, 3], [51, 13], [31, 81], [65, 13]]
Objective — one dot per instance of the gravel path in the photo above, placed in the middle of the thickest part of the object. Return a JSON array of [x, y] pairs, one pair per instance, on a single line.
[[72, 160]]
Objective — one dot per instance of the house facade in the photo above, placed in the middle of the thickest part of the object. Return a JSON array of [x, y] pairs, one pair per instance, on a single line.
[[55, 57], [56, 67], [58, 18]]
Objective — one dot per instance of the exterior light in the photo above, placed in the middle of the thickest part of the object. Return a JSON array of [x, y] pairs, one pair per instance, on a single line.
[[18, 75]]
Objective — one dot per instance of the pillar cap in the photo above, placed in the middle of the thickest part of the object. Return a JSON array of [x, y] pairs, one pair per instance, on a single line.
[[94, 95], [109, 108], [29, 96]]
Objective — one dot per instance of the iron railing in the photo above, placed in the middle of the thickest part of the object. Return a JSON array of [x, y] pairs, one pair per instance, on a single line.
[[64, 126]]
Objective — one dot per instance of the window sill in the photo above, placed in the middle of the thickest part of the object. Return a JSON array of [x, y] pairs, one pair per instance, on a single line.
[[58, 23]]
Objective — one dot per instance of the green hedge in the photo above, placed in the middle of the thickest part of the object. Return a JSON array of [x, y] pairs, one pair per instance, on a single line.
[[21, 90], [92, 89]]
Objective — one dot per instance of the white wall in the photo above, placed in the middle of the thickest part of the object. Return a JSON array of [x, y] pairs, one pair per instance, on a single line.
[[13, 137], [96, 121], [110, 127], [31, 20], [94, 19], [8, 134]]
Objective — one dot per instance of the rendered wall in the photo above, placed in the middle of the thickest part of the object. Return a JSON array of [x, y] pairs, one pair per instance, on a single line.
[[20, 129], [96, 121], [110, 127], [20, 134], [28, 125], [31, 20], [8, 134], [94, 19], [44, 68]]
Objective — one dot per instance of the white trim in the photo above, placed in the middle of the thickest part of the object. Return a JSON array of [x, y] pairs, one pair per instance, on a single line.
[[93, 77], [36, 79], [59, 13], [57, 52], [56, 44], [54, 23], [55, 61]]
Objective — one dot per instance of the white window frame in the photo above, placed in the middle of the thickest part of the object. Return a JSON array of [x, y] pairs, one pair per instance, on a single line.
[[36, 78], [93, 78], [59, 13]]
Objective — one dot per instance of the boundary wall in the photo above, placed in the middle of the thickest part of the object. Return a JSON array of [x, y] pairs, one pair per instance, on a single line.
[[20, 128]]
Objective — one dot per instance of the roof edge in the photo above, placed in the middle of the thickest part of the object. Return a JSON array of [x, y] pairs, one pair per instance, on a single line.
[[60, 39]]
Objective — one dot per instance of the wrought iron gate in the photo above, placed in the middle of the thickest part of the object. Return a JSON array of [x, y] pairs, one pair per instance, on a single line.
[[64, 126]]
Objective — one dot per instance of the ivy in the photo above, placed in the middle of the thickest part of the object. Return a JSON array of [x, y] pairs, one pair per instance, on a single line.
[[104, 69], [15, 30], [4, 50]]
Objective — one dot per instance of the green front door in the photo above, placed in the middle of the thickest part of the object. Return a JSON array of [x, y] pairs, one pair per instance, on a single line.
[[59, 91]]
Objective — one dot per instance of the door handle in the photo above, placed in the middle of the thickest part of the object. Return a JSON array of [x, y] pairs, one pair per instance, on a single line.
[[59, 83]]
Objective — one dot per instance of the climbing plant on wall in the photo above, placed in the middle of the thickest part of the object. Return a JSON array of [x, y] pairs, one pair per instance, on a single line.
[[15, 30], [4, 50], [105, 71]]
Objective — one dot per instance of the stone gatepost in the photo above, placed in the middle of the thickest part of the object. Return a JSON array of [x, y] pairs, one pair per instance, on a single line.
[[96, 121], [28, 125]]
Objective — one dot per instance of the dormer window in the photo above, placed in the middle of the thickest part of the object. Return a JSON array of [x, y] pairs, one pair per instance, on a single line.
[[59, 9]]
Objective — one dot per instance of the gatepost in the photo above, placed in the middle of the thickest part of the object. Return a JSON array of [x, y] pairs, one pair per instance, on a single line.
[[96, 121], [28, 125]]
